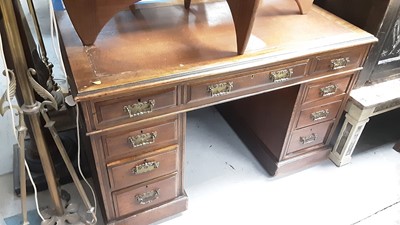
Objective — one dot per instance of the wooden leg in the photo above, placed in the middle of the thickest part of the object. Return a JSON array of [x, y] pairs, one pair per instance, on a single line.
[[304, 5], [90, 16], [132, 8], [243, 13], [187, 4]]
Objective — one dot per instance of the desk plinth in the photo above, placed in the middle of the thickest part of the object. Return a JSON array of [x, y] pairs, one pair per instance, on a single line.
[[146, 70]]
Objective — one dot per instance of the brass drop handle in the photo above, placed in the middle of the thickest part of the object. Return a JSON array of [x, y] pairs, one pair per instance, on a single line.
[[147, 197], [280, 75], [139, 108], [308, 139], [220, 89], [319, 115], [142, 139], [339, 63], [145, 167], [328, 90]]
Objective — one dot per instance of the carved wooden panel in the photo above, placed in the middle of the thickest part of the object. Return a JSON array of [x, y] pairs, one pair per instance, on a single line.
[[390, 55]]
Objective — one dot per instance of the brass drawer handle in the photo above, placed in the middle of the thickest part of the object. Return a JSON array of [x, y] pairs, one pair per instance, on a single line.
[[220, 89], [142, 139], [281, 75], [145, 167], [328, 90], [319, 115], [140, 108], [308, 139], [339, 63], [147, 197]]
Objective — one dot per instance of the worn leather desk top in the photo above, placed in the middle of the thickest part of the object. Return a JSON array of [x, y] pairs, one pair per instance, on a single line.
[[165, 45]]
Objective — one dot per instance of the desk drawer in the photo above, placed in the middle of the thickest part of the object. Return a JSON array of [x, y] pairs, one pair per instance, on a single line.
[[338, 61], [130, 200], [308, 137], [133, 107], [325, 89], [225, 88], [130, 141], [318, 114], [140, 170]]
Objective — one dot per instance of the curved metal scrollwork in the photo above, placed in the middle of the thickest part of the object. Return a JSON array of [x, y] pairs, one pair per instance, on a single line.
[[8, 95], [42, 92], [12, 87]]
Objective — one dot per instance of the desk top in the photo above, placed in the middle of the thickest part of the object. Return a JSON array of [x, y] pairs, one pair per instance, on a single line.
[[166, 45]]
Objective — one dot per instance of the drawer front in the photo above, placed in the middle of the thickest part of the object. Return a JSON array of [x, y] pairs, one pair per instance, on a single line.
[[130, 200], [318, 114], [318, 91], [130, 141], [133, 107], [227, 87], [141, 170], [309, 136], [338, 61]]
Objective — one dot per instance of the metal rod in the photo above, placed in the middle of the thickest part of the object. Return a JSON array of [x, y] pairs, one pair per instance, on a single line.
[[32, 10], [21, 128], [50, 125], [22, 177], [43, 52], [30, 106]]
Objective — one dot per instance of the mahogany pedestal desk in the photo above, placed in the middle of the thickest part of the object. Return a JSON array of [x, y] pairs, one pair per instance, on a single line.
[[147, 69]]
